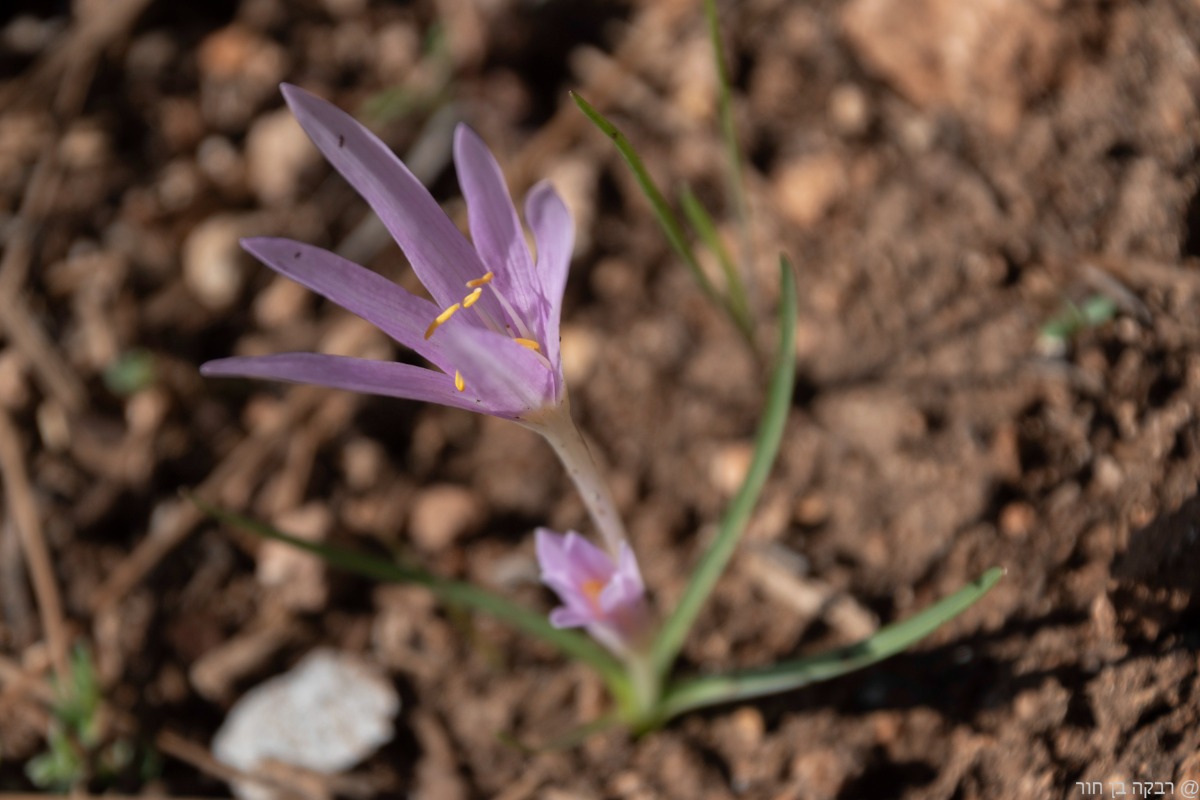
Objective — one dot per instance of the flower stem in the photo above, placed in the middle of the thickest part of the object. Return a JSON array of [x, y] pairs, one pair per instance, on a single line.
[[646, 692], [562, 434]]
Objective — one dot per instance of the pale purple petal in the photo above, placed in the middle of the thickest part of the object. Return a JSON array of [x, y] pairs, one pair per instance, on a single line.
[[496, 367], [551, 555], [565, 617], [571, 559], [441, 256], [605, 598], [399, 314], [495, 228], [567, 566], [386, 378], [627, 567], [501, 377], [588, 562], [554, 234], [625, 588]]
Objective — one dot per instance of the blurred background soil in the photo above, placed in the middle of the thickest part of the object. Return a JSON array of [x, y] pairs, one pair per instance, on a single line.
[[950, 178]]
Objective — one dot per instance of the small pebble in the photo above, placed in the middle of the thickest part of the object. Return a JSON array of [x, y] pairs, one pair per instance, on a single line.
[[1107, 475], [580, 347], [748, 726], [281, 303], [397, 48], [363, 461], [213, 266], [1017, 519], [327, 714], [812, 509], [220, 162], [848, 110], [297, 577], [84, 146], [443, 513], [806, 188], [178, 185], [14, 380], [146, 410], [53, 426], [729, 467], [277, 153]]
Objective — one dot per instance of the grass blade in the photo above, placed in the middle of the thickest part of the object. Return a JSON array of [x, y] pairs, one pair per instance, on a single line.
[[455, 593], [706, 229], [662, 209], [733, 153], [696, 693], [766, 447]]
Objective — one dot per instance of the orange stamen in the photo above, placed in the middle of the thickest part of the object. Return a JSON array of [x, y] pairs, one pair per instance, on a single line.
[[591, 590]]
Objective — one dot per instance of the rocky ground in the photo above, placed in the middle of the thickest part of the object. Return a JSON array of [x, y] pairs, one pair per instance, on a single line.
[[951, 179]]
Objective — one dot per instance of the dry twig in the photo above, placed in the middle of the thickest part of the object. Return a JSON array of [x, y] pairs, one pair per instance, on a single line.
[[22, 507]]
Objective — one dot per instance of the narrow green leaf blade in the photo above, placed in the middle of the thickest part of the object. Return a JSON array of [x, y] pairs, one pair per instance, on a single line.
[[770, 433], [733, 153], [662, 209], [456, 593], [706, 229], [693, 693]]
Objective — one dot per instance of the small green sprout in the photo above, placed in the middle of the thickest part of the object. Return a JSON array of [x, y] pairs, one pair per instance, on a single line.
[[131, 372], [1055, 336], [79, 749]]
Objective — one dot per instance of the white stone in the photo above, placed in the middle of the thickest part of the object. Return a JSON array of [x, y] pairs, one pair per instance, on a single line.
[[327, 714]]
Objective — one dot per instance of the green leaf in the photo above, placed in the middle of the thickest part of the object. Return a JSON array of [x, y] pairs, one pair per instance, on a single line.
[[706, 229], [454, 593], [693, 693], [733, 153], [130, 372], [1096, 310], [662, 209], [770, 433], [78, 702], [61, 767]]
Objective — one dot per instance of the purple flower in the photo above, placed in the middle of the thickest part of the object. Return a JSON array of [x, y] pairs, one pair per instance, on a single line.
[[492, 328], [606, 598]]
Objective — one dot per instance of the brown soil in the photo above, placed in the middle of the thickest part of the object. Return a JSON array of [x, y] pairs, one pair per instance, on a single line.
[[947, 177]]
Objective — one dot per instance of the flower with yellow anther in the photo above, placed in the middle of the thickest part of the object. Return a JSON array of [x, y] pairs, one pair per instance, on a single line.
[[494, 343], [493, 351], [490, 334]]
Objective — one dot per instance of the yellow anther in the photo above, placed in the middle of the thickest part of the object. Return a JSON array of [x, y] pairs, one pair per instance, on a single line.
[[529, 344], [486, 279], [459, 383], [441, 319], [473, 297]]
